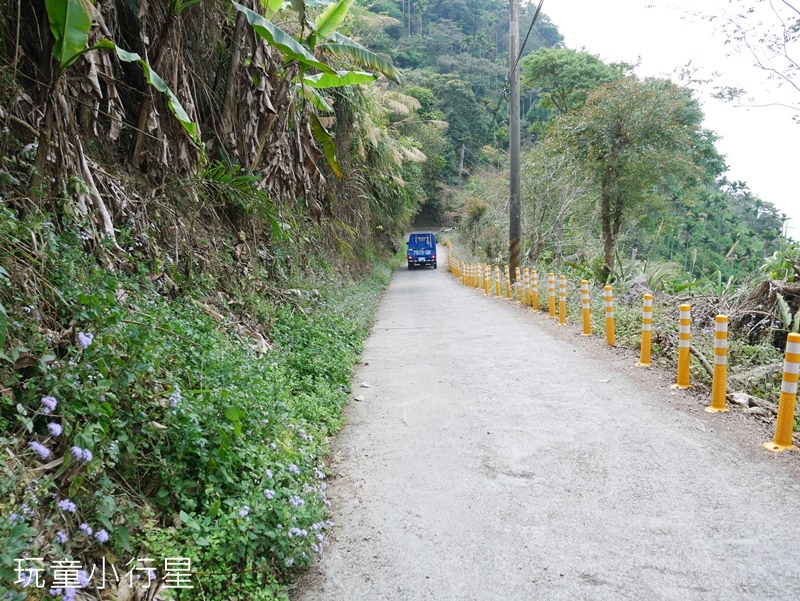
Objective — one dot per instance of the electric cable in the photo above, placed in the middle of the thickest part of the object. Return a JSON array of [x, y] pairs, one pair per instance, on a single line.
[[504, 93]]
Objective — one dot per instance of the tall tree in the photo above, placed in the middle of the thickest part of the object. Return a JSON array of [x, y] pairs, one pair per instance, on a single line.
[[634, 137], [564, 76]]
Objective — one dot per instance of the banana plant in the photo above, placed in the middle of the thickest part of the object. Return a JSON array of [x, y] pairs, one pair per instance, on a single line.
[[325, 38], [789, 323], [154, 80], [70, 22]]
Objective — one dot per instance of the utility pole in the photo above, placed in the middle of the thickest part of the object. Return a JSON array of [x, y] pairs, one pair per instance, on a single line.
[[514, 222]]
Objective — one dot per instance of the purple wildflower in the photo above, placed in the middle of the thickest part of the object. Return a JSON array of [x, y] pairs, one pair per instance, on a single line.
[[101, 536], [269, 473], [296, 501], [49, 403], [294, 469], [77, 452], [15, 516], [69, 594], [87, 456], [40, 449], [54, 429], [175, 398], [319, 474], [244, 511], [85, 339], [55, 592], [67, 505], [87, 530], [269, 493], [83, 578], [61, 536], [289, 562]]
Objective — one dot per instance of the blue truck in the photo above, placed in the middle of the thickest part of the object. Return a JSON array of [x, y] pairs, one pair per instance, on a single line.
[[421, 249]]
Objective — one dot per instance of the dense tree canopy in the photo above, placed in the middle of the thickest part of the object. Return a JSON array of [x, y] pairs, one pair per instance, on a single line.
[[564, 76], [634, 138]]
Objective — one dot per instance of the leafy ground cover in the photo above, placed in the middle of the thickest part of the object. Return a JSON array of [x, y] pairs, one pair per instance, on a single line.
[[155, 431]]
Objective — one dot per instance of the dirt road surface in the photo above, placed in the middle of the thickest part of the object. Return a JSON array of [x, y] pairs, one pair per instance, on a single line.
[[497, 455]]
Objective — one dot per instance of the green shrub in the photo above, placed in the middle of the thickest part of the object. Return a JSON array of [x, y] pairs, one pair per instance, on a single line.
[[174, 436]]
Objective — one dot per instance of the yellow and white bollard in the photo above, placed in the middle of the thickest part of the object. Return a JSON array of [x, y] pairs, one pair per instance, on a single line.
[[534, 290], [497, 280], [487, 279], [526, 285], [562, 300], [508, 283], [684, 346], [719, 386], [518, 284], [647, 330], [551, 295], [786, 405], [608, 301], [586, 309]]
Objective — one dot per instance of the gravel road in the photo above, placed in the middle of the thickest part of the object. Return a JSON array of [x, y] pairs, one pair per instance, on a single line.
[[497, 455]]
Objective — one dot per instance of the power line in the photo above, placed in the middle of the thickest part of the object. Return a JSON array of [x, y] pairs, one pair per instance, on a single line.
[[527, 35], [504, 93]]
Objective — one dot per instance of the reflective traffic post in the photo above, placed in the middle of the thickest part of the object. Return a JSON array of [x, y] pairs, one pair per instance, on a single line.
[[788, 400], [608, 301], [719, 385], [647, 330]]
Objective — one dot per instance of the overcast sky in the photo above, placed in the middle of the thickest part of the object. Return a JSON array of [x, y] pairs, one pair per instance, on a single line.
[[761, 145]]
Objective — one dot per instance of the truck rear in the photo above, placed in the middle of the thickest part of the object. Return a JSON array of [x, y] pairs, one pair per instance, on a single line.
[[421, 249]]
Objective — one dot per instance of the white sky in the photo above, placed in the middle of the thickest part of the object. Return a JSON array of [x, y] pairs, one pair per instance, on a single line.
[[761, 145]]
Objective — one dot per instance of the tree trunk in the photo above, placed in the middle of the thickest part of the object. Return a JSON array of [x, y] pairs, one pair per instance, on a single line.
[[44, 143], [144, 112], [609, 240], [233, 72]]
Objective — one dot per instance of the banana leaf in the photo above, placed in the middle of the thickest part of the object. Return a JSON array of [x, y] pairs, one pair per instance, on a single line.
[[70, 22], [328, 147], [314, 98], [155, 80], [279, 39], [338, 79], [343, 46], [329, 21]]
